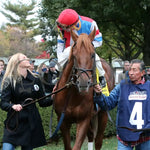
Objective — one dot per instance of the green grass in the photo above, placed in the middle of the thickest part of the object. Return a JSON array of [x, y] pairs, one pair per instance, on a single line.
[[108, 144]]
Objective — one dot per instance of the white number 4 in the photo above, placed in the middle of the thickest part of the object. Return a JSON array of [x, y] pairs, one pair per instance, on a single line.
[[136, 115]]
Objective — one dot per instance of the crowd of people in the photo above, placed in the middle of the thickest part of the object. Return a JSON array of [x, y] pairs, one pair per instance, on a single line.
[[21, 83]]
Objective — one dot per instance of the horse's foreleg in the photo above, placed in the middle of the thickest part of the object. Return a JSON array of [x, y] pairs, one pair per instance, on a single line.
[[65, 130], [90, 135], [102, 122], [81, 133], [92, 131]]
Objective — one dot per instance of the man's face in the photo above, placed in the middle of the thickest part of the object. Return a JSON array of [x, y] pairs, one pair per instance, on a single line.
[[135, 74], [126, 66]]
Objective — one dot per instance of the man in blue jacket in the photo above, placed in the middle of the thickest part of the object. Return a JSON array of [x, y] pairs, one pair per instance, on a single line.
[[132, 96]]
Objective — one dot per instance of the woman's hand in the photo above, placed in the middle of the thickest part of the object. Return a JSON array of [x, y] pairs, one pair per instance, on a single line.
[[17, 107], [97, 89]]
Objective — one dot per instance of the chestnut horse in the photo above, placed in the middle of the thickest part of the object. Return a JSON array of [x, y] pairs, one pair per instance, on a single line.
[[77, 100]]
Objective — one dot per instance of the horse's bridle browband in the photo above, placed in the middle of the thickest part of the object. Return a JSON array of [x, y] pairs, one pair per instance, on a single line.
[[82, 70]]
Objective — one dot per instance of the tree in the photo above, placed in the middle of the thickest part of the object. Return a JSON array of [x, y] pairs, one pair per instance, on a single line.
[[125, 24], [132, 20], [21, 29], [13, 40], [19, 14], [4, 44]]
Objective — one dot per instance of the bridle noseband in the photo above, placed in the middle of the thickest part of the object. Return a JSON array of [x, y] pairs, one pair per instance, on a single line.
[[77, 76]]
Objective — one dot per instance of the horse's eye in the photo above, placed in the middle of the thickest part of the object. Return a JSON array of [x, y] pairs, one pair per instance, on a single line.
[[74, 44]]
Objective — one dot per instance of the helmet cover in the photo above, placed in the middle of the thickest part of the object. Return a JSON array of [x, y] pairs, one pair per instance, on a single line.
[[68, 17]]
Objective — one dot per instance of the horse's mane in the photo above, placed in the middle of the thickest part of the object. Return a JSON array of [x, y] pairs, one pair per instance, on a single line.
[[85, 41]]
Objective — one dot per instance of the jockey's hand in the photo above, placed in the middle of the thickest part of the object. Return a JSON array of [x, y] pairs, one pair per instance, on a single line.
[[97, 89]]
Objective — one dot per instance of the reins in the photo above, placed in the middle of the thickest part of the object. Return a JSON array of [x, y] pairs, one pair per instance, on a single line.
[[36, 100]]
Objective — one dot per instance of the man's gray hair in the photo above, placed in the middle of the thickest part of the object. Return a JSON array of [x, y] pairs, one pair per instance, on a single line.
[[126, 61], [142, 65]]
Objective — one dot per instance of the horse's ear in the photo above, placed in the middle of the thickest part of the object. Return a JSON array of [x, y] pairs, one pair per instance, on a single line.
[[74, 36], [92, 34]]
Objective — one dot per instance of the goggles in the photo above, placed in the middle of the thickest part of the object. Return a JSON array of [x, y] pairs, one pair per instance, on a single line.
[[63, 26]]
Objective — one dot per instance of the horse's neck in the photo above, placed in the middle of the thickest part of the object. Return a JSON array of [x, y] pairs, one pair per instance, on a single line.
[[66, 72]]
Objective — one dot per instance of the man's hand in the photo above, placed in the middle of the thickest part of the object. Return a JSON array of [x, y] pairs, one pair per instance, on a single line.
[[97, 89]]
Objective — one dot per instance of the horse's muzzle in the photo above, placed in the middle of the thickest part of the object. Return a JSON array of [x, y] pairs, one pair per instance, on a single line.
[[83, 86]]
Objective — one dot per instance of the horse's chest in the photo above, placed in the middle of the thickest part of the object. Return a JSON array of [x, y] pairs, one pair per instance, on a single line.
[[78, 112]]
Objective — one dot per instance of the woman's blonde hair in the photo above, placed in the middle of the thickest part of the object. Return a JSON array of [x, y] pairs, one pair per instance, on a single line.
[[12, 72]]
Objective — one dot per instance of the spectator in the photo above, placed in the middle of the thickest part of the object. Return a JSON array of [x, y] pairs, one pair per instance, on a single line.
[[41, 69], [50, 77], [124, 74], [44, 68], [31, 68], [2, 64], [23, 125], [147, 75]]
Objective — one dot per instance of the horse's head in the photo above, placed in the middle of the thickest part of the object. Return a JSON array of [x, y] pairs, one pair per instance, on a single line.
[[83, 54]]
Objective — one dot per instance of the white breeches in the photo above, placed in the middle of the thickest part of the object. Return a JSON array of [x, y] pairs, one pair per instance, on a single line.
[[63, 57]]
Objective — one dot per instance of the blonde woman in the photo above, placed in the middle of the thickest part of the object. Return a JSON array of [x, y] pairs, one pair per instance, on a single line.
[[23, 126]]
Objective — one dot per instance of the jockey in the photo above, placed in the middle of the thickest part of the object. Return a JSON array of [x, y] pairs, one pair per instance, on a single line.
[[67, 20]]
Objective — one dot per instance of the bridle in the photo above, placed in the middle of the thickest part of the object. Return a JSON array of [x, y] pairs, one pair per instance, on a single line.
[[77, 73], [77, 76]]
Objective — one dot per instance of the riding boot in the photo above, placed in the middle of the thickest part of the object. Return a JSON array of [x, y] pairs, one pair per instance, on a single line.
[[102, 81]]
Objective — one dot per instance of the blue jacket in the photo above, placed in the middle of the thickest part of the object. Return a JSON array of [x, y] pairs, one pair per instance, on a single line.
[[133, 107], [111, 100]]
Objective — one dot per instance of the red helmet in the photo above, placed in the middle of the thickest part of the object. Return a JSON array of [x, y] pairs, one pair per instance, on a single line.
[[68, 17]]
